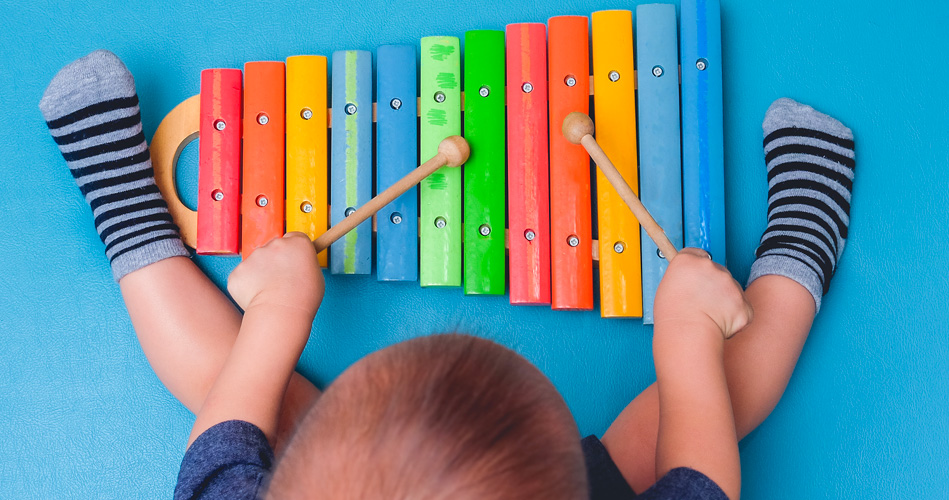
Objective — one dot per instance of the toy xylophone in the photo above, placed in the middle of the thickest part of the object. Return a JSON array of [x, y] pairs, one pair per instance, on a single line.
[[517, 87]]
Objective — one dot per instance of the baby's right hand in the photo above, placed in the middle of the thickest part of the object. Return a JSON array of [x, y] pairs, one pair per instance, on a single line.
[[284, 272], [696, 290]]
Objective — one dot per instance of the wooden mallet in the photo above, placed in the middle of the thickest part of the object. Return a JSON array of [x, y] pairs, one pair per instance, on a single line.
[[578, 129], [453, 151]]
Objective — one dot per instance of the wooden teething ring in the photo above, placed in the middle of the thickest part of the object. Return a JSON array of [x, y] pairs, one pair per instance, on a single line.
[[175, 132]]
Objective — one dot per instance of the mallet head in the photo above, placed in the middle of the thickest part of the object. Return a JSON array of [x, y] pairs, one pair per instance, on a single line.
[[577, 125], [455, 149]]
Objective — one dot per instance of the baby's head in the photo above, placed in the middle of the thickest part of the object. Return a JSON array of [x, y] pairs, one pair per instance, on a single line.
[[446, 416]]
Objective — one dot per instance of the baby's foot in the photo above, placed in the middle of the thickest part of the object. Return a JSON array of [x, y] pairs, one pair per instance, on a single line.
[[811, 165], [92, 111]]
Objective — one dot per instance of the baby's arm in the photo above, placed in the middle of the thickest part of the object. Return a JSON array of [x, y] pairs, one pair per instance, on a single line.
[[280, 287], [698, 305]]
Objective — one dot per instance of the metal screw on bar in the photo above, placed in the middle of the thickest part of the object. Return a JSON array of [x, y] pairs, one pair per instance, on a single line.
[[570, 80], [440, 222], [619, 247], [573, 240], [349, 211], [350, 109], [659, 253], [530, 235], [395, 218], [614, 76], [306, 207], [219, 124], [262, 201], [395, 103], [439, 96], [484, 229], [218, 195], [263, 119], [484, 91], [306, 114], [527, 87], [657, 71], [701, 64]]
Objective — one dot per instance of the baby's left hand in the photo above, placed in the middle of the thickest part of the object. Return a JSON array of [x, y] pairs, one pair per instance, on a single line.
[[284, 272]]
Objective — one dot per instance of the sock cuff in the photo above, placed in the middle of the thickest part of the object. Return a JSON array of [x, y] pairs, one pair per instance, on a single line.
[[148, 254], [789, 268]]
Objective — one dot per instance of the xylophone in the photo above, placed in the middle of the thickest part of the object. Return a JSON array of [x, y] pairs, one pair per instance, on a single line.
[[517, 87]]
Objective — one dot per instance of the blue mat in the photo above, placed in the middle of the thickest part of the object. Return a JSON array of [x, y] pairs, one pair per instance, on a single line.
[[865, 415]]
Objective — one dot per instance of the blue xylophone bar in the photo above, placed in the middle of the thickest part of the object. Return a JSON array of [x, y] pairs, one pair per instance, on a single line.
[[703, 162], [660, 163]]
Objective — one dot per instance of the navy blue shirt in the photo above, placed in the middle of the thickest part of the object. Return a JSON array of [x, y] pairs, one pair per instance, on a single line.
[[232, 460]]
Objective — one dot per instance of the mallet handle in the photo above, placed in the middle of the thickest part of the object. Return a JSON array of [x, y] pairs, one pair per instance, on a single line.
[[382, 199], [626, 193]]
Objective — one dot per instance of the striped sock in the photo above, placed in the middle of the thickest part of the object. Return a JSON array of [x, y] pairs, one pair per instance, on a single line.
[[91, 109], [811, 165]]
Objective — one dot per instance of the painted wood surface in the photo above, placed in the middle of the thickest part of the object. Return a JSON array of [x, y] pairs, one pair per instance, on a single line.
[[528, 196], [440, 194], [307, 148], [614, 87], [396, 156], [219, 162], [703, 149], [262, 198], [571, 231], [351, 160], [485, 256], [660, 161]]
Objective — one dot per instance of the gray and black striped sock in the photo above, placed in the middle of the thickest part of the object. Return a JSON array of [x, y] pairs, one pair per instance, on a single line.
[[810, 158], [92, 111]]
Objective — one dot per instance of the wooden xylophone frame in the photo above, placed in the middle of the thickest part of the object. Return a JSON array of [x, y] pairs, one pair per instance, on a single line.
[[693, 170]]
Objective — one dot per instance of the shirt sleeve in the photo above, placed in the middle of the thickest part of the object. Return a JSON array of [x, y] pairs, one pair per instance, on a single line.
[[230, 460], [604, 478], [684, 483], [606, 482]]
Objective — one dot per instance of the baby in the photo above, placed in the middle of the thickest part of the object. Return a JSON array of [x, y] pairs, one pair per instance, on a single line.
[[449, 416]]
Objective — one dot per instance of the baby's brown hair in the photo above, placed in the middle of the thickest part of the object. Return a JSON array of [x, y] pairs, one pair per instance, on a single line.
[[445, 416]]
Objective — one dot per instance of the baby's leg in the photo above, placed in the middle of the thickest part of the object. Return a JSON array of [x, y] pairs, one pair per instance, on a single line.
[[185, 324], [810, 171], [186, 327]]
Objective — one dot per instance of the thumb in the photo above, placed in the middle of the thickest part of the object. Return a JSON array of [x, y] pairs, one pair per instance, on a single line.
[[743, 319], [749, 312]]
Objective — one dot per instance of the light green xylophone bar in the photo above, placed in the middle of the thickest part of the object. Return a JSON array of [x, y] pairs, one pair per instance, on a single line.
[[440, 229]]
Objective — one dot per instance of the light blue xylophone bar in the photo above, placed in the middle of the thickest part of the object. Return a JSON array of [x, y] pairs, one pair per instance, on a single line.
[[660, 170], [351, 160], [703, 162], [396, 156]]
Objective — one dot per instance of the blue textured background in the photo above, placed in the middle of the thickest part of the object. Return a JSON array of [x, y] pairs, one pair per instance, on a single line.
[[83, 416]]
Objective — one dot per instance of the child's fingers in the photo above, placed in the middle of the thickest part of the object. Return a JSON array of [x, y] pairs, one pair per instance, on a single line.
[[296, 234], [270, 242], [698, 252], [300, 240]]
